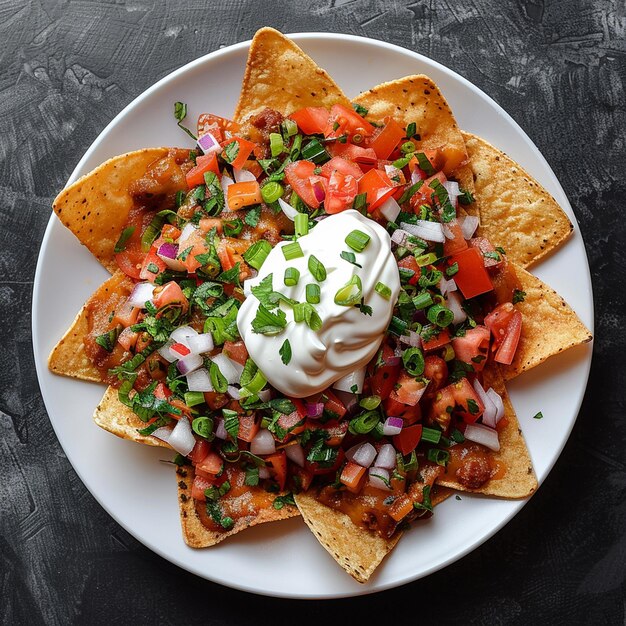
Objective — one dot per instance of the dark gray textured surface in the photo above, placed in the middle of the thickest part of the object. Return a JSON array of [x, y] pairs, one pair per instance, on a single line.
[[66, 68]]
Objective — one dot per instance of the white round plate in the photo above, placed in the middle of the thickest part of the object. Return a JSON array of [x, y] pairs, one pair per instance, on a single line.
[[284, 559]]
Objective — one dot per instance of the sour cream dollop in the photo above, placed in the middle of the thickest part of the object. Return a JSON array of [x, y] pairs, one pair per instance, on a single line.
[[348, 338]]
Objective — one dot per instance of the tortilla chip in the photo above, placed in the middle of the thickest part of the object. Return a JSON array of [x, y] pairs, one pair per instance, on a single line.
[[95, 208], [519, 481], [418, 99], [516, 212], [550, 326], [68, 358], [279, 75], [358, 551], [197, 535], [117, 418]]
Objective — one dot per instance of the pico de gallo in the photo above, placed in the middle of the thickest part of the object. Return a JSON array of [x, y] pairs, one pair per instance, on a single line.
[[205, 220]]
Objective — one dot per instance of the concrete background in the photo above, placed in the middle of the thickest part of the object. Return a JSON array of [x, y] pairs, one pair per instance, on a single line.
[[66, 68]]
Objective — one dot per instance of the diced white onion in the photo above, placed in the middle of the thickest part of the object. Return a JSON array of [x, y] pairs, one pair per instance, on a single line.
[[494, 396], [362, 454], [163, 433], [489, 414], [487, 437], [199, 344], [412, 339], [429, 231], [287, 209], [469, 224], [392, 171], [181, 334], [263, 443], [386, 457], [226, 182], [399, 236], [141, 294], [220, 429], [187, 231], [233, 392], [392, 426], [227, 368], [390, 209], [354, 378], [189, 363], [264, 473], [199, 380], [379, 478], [182, 439], [265, 395], [446, 286], [242, 176], [453, 302], [166, 353], [452, 188], [416, 176], [295, 453]]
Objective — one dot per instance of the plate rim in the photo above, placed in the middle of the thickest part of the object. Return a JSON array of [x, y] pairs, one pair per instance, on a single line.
[[41, 360]]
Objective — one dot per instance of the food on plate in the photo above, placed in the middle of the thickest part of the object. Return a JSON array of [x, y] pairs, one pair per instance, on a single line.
[[313, 311]]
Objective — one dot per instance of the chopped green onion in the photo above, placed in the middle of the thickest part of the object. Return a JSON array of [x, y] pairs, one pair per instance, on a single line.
[[425, 164], [432, 435], [441, 457], [360, 202], [358, 240], [452, 270], [411, 130], [301, 224], [370, 403], [292, 251], [292, 276], [120, 246], [290, 127], [305, 312], [364, 423], [256, 254], [271, 191], [413, 359], [440, 315], [402, 161], [350, 257], [350, 293], [315, 151], [383, 290], [407, 146], [276, 144], [316, 267], [422, 300], [397, 326], [449, 353], [313, 293], [232, 227], [152, 232], [202, 426], [361, 110], [426, 259], [193, 397]]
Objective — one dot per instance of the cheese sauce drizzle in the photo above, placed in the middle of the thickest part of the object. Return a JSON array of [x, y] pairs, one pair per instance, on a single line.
[[348, 338]]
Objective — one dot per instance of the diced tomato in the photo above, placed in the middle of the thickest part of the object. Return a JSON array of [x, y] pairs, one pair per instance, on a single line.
[[410, 414], [425, 193], [225, 255], [378, 187], [179, 404], [316, 469], [249, 426], [199, 452], [442, 407], [340, 193], [408, 390], [212, 464], [472, 278], [491, 258], [209, 223], [200, 484], [126, 315], [236, 350], [170, 232], [242, 152], [162, 391], [244, 194], [346, 121], [216, 400], [253, 167], [457, 242], [473, 347], [408, 438], [130, 261], [497, 321], [509, 344], [385, 374], [216, 125], [127, 338], [400, 507], [453, 158], [436, 371], [436, 341], [387, 139], [352, 152], [204, 163], [292, 423], [352, 476], [302, 478], [311, 120], [169, 294], [336, 431], [409, 263], [298, 175], [150, 263], [278, 467], [343, 165], [300, 406], [197, 242], [333, 404], [467, 402], [435, 158], [180, 349]]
